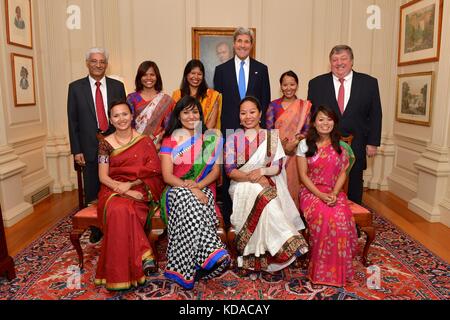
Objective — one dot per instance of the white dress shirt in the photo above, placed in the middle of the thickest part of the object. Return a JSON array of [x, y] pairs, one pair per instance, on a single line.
[[237, 63], [104, 92], [347, 87]]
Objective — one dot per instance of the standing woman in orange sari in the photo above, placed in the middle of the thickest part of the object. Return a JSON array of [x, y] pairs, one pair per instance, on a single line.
[[151, 107], [194, 84], [130, 174], [290, 116]]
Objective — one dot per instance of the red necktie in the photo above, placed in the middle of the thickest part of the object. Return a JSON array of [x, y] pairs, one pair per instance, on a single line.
[[341, 96], [100, 108]]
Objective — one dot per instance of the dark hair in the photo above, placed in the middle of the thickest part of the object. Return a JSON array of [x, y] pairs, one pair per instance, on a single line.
[[313, 136], [202, 88], [119, 102], [251, 99], [142, 69], [289, 73], [187, 102]]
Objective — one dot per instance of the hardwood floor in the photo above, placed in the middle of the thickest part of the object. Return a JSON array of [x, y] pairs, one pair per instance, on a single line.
[[46, 213], [434, 236]]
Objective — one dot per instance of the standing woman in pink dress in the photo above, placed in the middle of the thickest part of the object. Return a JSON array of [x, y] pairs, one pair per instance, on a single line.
[[290, 116]]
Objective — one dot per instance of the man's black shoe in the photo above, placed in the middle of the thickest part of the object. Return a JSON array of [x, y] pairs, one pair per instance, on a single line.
[[96, 235]]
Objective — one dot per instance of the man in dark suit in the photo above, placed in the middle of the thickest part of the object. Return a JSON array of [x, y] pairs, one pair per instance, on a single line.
[[88, 104], [236, 79], [355, 98], [227, 76]]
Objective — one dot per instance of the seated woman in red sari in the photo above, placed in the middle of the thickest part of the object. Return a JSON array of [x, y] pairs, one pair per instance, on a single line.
[[290, 116], [130, 176], [189, 159], [265, 218], [151, 107], [324, 161]]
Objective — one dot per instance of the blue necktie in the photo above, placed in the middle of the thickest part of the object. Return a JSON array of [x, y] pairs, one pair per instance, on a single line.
[[242, 89]]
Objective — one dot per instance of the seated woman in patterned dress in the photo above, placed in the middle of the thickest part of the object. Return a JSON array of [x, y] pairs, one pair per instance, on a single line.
[[265, 218], [189, 158], [324, 162], [130, 176]]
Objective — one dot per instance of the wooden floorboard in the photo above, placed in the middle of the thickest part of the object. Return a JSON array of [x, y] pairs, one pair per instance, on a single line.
[[434, 236], [46, 213]]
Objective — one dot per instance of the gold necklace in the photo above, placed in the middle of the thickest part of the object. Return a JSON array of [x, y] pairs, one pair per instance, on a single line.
[[123, 144]]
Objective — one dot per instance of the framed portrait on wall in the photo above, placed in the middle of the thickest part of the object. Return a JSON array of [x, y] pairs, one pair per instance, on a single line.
[[214, 46], [420, 32], [414, 98], [19, 28], [23, 80]]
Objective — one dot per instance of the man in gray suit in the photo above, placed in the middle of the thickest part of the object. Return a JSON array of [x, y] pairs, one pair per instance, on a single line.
[[88, 103]]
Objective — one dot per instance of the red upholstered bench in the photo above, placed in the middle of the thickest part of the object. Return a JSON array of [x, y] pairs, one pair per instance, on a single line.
[[87, 216], [81, 221]]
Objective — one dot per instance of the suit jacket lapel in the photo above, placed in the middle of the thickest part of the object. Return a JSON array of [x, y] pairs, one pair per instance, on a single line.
[[251, 77], [353, 93], [89, 99], [332, 94], [109, 91]]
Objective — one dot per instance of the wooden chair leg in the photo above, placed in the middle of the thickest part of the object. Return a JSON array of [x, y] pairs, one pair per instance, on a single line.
[[370, 232], [153, 238], [7, 268], [75, 236]]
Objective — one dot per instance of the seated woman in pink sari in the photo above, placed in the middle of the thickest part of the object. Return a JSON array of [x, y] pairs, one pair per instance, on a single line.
[[265, 218], [324, 161], [151, 107], [131, 183], [290, 116], [190, 166]]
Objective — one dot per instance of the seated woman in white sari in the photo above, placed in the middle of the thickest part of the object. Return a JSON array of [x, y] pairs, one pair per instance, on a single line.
[[265, 217]]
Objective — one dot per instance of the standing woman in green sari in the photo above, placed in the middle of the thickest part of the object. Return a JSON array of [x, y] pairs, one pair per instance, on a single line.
[[189, 160]]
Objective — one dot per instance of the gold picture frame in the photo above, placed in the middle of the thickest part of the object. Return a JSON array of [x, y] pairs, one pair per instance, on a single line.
[[19, 27], [23, 80], [414, 98], [213, 46], [420, 32]]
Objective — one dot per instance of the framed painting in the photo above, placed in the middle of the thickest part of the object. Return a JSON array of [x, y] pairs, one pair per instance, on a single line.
[[214, 46], [23, 80], [414, 98], [19, 28], [420, 32]]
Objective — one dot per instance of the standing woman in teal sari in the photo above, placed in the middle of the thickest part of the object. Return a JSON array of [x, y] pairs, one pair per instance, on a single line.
[[189, 160]]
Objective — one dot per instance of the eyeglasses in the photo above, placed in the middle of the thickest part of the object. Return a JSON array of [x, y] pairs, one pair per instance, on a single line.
[[95, 62]]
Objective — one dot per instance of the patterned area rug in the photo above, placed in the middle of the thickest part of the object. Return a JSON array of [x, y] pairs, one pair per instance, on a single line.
[[407, 271]]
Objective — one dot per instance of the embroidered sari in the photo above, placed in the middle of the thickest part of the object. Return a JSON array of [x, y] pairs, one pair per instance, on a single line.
[[194, 250], [125, 245], [290, 121], [151, 117], [212, 101], [333, 237], [265, 219]]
